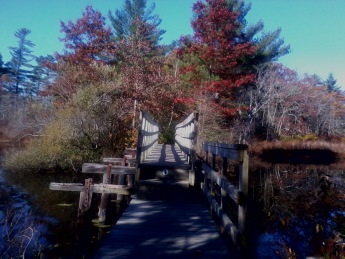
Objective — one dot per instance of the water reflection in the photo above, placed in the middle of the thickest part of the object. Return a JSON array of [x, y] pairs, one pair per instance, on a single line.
[[302, 210]]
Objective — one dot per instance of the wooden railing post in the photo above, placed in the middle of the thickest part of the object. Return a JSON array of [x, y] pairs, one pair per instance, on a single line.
[[238, 194]]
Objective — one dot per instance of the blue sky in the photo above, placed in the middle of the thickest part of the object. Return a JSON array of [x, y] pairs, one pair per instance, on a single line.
[[315, 29]]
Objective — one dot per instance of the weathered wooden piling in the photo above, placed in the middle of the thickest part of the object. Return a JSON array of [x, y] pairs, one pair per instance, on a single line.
[[102, 209], [85, 197]]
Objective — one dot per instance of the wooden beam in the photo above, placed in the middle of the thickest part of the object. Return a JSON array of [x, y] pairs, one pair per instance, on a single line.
[[232, 152], [96, 188], [228, 225], [73, 187], [243, 188], [121, 161], [114, 160], [229, 188], [112, 188], [93, 168]]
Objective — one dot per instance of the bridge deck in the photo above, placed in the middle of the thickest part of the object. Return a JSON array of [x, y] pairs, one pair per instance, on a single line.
[[165, 166], [160, 229], [166, 156], [172, 221]]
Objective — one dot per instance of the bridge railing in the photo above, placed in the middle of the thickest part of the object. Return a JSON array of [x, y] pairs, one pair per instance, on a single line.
[[185, 136], [185, 139], [147, 138], [221, 193]]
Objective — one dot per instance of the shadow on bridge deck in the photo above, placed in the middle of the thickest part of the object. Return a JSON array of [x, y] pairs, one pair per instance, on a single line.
[[160, 229], [169, 156], [164, 175]]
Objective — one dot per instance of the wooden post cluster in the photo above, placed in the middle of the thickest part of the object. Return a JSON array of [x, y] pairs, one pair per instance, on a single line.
[[185, 138], [147, 139], [214, 180], [122, 175]]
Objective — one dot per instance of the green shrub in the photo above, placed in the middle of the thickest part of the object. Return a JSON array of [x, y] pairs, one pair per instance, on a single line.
[[167, 135], [54, 150], [94, 122]]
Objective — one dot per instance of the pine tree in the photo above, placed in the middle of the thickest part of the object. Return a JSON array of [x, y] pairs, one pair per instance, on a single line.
[[126, 21], [269, 45], [20, 65], [139, 55], [41, 74], [2, 68], [136, 26], [331, 83]]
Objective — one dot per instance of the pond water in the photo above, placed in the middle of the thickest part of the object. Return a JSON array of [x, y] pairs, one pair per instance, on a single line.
[[296, 211], [37, 222], [300, 211]]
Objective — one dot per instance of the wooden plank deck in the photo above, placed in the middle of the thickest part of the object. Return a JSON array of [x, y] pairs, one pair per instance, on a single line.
[[169, 156], [165, 219], [165, 165], [160, 229]]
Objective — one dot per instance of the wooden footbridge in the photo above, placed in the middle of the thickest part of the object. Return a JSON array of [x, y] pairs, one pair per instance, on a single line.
[[168, 215]]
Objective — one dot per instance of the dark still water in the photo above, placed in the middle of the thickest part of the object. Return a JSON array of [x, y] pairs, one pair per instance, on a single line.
[[299, 211], [36, 222]]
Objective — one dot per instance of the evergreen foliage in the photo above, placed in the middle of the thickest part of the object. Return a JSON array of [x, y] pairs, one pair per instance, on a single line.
[[126, 21], [331, 83], [269, 45], [20, 65], [1, 65]]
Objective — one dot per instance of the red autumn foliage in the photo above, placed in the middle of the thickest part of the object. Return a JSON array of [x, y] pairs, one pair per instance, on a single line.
[[87, 40], [221, 50]]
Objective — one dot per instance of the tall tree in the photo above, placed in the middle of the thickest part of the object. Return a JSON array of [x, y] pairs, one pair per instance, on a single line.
[[217, 47], [41, 74], [140, 57], [126, 21], [20, 65], [3, 70], [86, 40], [87, 43], [283, 104], [331, 83]]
